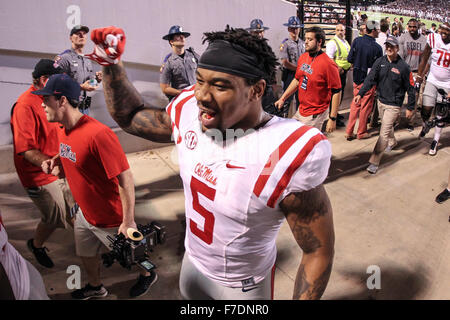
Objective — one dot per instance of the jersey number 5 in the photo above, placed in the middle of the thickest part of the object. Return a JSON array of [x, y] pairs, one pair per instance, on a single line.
[[199, 187]]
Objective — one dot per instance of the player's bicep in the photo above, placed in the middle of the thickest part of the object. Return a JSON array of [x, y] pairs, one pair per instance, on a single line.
[[151, 123], [129, 110], [310, 217]]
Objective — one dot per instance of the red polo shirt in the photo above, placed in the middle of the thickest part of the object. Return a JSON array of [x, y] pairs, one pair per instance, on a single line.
[[92, 158], [31, 130], [323, 75]]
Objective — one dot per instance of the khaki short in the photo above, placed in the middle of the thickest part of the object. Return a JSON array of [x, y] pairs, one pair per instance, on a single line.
[[55, 202], [91, 241], [315, 120]]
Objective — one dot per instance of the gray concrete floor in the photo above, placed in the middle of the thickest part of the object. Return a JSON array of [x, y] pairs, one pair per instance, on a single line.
[[389, 220]]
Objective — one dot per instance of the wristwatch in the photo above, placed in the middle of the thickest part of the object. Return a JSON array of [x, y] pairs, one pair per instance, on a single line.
[[332, 118]]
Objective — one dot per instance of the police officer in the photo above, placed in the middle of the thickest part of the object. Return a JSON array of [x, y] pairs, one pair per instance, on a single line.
[[78, 67], [290, 50], [257, 29], [179, 66]]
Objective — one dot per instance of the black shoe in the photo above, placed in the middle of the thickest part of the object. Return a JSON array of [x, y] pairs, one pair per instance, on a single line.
[[444, 195], [143, 285], [422, 133], [89, 292], [410, 128], [40, 254], [376, 124]]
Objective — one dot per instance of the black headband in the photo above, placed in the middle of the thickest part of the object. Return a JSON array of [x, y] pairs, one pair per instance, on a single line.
[[227, 57]]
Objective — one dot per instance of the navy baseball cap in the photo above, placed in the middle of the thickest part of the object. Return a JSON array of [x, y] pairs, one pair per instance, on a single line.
[[175, 30], [257, 25], [293, 22], [79, 28], [60, 85]]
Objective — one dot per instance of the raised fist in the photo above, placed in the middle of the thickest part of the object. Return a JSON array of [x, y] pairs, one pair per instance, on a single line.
[[109, 45]]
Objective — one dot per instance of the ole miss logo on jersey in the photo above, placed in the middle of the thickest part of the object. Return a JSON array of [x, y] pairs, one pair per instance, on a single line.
[[306, 68], [191, 140], [65, 151]]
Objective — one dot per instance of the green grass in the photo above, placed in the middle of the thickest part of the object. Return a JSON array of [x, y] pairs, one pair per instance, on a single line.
[[380, 15]]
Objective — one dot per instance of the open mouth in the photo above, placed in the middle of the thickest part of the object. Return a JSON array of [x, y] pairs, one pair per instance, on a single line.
[[207, 116]]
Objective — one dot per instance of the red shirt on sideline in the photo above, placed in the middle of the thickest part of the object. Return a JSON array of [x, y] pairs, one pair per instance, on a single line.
[[92, 158], [31, 130], [323, 75]]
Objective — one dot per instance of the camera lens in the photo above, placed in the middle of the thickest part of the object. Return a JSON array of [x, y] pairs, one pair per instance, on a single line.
[[136, 234]]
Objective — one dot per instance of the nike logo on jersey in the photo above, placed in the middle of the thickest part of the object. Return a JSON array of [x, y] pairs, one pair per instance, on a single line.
[[230, 166], [248, 289]]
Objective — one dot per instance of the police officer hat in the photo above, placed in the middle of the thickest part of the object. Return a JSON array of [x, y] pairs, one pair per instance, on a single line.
[[257, 25], [79, 28], [293, 22], [176, 30]]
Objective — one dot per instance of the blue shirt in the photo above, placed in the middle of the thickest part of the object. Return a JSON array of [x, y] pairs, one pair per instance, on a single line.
[[363, 54]]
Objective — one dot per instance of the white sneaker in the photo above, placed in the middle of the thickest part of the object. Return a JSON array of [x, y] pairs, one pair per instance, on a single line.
[[433, 148]]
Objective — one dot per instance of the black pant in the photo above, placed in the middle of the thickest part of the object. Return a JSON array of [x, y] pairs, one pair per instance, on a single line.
[[343, 77]]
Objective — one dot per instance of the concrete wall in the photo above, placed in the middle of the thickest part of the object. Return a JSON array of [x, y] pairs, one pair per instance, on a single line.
[[43, 32], [44, 27]]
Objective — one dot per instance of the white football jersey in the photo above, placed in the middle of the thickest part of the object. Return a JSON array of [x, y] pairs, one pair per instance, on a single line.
[[233, 190], [440, 61]]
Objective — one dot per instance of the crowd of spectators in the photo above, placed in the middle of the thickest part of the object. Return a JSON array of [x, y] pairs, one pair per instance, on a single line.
[[324, 14], [437, 10]]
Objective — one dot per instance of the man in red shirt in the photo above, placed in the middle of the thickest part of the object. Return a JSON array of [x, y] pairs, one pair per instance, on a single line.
[[317, 81], [96, 168], [35, 141]]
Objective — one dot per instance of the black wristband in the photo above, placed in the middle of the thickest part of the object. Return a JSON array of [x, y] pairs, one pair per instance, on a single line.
[[332, 118]]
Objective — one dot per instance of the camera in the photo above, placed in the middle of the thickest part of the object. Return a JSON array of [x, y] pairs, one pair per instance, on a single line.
[[442, 111], [135, 249]]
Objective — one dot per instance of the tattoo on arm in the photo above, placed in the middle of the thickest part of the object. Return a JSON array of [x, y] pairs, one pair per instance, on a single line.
[[309, 242], [301, 284], [309, 216], [307, 206], [127, 107], [304, 290]]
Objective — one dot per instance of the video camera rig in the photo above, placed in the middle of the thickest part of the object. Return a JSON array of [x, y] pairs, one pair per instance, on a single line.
[[442, 114], [136, 248]]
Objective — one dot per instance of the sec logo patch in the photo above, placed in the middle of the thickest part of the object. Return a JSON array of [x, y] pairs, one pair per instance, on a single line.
[[190, 138]]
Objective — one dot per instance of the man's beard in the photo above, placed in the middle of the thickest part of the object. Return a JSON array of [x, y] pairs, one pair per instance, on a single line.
[[414, 35], [313, 49]]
